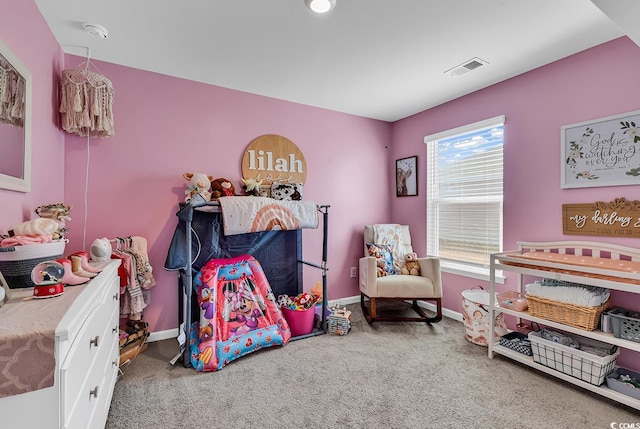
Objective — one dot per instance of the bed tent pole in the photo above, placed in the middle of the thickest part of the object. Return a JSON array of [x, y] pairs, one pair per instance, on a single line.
[[186, 214], [324, 209]]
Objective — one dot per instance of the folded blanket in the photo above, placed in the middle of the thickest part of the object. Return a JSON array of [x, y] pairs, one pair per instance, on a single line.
[[391, 234], [39, 226], [252, 214], [22, 240]]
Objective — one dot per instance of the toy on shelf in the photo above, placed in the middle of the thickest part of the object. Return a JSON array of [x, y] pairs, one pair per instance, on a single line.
[[199, 183], [222, 187], [252, 187]]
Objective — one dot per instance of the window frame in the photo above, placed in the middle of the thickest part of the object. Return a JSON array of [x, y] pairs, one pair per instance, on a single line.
[[459, 267]]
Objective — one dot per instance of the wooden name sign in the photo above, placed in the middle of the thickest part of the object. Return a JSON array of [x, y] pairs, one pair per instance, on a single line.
[[619, 218], [273, 158]]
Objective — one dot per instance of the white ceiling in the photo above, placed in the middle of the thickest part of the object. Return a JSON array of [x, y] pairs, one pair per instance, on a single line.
[[381, 59]]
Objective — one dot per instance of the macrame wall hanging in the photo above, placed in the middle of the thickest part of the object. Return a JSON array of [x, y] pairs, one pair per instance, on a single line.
[[86, 103], [12, 95]]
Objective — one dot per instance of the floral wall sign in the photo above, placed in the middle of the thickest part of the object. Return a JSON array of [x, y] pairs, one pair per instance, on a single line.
[[601, 152]]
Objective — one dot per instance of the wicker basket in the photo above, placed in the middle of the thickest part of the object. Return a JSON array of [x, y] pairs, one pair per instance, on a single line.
[[512, 300], [16, 262], [578, 316]]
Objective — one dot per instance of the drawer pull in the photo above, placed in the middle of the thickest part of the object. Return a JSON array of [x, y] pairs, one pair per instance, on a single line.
[[115, 362], [115, 329], [115, 296], [94, 342], [93, 392]]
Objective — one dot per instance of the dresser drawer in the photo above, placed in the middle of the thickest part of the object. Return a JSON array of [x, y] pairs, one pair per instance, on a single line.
[[94, 398], [84, 366], [101, 401]]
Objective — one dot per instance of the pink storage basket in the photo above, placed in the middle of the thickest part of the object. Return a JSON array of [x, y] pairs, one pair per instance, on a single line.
[[300, 321]]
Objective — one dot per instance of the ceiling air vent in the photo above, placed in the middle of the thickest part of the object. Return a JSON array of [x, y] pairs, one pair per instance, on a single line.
[[467, 66]]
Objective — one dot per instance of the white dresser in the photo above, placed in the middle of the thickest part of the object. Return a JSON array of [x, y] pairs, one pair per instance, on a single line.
[[86, 364]]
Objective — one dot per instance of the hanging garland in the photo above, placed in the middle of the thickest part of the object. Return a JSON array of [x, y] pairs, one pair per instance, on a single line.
[[86, 103]]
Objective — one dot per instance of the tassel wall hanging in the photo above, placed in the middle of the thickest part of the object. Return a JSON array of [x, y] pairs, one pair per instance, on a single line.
[[12, 95], [86, 103]]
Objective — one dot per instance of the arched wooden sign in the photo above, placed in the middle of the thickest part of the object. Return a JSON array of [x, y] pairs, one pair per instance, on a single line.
[[273, 158]]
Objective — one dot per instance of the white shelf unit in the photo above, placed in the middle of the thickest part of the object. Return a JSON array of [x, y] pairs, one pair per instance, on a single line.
[[553, 270]]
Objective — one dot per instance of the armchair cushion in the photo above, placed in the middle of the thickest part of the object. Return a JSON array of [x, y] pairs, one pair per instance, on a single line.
[[384, 252]]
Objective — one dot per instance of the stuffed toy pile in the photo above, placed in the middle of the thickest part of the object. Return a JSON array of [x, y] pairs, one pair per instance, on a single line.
[[303, 301]]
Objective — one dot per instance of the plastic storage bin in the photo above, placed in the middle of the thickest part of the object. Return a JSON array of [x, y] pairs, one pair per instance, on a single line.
[[619, 386], [576, 363], [512, 300], [300, 321], [625, 324]]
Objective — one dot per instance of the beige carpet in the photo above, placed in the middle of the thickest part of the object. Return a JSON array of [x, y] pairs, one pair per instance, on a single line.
[[389, 375]]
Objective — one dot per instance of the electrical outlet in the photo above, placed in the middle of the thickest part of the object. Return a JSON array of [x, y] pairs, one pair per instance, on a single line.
[[354, 272]]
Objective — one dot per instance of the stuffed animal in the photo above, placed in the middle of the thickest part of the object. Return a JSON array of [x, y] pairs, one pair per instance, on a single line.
[[380, 272], [411, 265], [251, 187], [199, 183], [222, 187]]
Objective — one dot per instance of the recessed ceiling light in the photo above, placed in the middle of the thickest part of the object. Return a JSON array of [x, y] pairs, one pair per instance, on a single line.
[[320, 6], [96, 30]]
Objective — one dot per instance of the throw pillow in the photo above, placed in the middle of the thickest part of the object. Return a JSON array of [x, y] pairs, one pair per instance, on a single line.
[[286, 191], [384, 252]]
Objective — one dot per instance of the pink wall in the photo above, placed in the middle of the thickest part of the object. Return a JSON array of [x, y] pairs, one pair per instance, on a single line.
[[12, 149], [24, 30], [598, 82], [167, 126]]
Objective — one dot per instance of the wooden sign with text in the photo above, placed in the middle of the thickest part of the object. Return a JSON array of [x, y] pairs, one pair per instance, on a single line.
[[273, 158], [618, 218]]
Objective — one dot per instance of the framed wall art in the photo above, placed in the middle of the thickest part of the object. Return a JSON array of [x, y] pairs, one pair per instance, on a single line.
[[407, 177], [601, 152]]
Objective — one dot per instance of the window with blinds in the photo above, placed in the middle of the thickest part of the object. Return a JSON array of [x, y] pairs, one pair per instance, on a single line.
[[464, 193]]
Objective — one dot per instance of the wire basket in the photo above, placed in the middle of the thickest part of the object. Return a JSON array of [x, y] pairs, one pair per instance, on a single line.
[[16, 262], [578, 316], [577, 363], [512, 300]]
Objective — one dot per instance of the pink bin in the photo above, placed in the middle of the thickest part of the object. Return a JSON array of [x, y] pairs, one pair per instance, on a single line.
[[300, 321]]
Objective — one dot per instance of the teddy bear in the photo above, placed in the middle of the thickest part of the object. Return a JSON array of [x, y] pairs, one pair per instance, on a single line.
[[222, 187], [411, 265], [380, 272], [198, 183]]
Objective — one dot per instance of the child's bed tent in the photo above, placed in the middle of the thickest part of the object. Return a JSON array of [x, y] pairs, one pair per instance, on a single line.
[[208, 251]]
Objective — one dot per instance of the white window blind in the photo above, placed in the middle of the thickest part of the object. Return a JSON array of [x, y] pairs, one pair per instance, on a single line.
[[464, 192]]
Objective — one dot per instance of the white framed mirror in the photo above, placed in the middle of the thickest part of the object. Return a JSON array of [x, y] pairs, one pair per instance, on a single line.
[[15, 122]]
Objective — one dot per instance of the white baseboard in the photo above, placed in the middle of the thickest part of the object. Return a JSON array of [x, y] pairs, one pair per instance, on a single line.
[[173, 333], [162, 335]]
